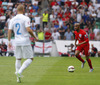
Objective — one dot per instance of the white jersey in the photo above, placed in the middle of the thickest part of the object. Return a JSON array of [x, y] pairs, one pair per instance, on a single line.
[[19, 24]]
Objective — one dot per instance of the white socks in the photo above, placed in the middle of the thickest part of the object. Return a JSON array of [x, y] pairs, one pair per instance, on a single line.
[[17, 65], [25, 65]]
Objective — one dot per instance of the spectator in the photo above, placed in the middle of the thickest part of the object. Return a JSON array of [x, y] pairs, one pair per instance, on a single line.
[[62, 2], [72, 50], [45, 17], [97, 38], [86, 29], [21, 1], [2, 19], [8, 20], [82, 24], [35, 6], [96, 30], [91, 20], [55, 7], [1, 10], [15, 9], [83, 3], [56, 25], [55, 35], [62, 31], [68, 35], [85, 17], [91, 8], [47, 34], [5, 31], [28, 13], [91, 35], [93, 51], [5, 3], [98, 14], [0, 2], [68, 2], [64, 26], [33, 28], [10, 4], [60, 22], [75, 3], [94, 15], [53, 3], [79, 16], [1, 34], [4, 48], [52, 16], [34, 2], [40, 34], [37, 20], [72, 11], [52, 27]]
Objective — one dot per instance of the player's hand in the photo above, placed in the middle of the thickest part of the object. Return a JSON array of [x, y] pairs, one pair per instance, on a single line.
[[36, 39], [78, 44], [9, 45]]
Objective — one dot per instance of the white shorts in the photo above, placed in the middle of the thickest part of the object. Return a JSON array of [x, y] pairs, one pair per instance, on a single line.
[[23, 52]]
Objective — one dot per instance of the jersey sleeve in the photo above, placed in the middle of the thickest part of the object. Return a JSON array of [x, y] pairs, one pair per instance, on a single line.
[[27, 22], [86, 37], [11, 24]]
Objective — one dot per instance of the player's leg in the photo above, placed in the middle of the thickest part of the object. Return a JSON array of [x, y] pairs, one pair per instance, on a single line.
[[86, 50], [18, 55], [25, 64], [78, 56], [17, 65], [78, 50], [27, 53]]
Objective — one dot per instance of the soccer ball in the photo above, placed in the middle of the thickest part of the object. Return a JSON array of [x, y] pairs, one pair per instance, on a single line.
[[71, 68]]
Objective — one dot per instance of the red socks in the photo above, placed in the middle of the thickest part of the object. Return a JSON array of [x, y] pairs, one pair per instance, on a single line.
[[90, 64], [79, 57]]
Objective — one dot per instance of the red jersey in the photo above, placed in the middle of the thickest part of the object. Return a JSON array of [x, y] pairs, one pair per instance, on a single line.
[[53, 3], [81, 36], [47, 35]]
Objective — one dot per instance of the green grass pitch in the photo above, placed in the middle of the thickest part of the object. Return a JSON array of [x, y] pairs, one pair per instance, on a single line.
[[50, 71]]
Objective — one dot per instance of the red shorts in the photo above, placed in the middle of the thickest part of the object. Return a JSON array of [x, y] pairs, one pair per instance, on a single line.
[[85, 48]]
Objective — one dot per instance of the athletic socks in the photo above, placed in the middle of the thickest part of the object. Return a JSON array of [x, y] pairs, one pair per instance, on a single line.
[[25, 65], [17, 65], [89, 63], [79, 58]]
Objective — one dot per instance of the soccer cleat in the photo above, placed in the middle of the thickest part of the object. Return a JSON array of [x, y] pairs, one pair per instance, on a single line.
[[18, 78], [82, 66], [91, 70]]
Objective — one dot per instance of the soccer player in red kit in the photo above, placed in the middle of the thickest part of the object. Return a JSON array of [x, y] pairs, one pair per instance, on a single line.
[[83, 45]]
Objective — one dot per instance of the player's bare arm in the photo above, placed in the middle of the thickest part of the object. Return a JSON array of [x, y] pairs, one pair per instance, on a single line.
[[31, 33], [9, 38], [81, 43], [75, 42]]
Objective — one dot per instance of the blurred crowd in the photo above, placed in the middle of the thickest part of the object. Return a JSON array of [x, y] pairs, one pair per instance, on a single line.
[[56, 20]]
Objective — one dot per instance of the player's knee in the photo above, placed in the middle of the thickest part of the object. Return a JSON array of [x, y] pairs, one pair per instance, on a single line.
[[76, 54], [19, 59], [87, 58], [32, 59]]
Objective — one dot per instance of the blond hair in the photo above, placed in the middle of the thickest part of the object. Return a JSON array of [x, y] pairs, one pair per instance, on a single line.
[[20, 8]]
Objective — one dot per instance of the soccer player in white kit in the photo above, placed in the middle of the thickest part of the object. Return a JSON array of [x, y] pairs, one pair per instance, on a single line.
[[20, 24]]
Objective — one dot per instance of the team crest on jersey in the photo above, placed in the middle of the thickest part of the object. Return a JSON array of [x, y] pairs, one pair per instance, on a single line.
[[80, 35], [86, 36]]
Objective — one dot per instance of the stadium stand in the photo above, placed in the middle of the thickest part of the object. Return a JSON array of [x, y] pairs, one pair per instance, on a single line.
[[61, 15]]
